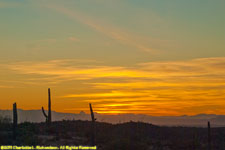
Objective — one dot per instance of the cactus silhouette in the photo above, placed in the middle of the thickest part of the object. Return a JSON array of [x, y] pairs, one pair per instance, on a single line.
[[15, 120], [93, 126], [209, 136], [49, 116]]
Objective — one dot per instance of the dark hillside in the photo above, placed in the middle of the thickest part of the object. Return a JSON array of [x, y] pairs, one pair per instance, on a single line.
[[126, 136]]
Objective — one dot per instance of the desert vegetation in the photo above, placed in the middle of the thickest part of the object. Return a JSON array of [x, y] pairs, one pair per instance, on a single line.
[[125, 136]]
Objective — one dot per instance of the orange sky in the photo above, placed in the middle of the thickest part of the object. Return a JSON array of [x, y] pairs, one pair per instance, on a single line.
[[155, 88]]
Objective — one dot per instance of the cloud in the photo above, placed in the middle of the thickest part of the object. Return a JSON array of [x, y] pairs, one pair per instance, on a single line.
[[6, 86], [8, 4], [74, 39], [201, 69], [107, 96], [150, 86], [110, 32], [63, 69]]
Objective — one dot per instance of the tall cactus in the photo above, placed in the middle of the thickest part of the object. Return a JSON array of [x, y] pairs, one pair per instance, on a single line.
[[93, 126], [49, 116], [209, 136], [15, 120]]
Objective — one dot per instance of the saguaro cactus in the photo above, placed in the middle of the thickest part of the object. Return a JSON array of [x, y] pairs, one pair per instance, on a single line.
[[15, 120], [209, 136], [49, 116], [93, 126]]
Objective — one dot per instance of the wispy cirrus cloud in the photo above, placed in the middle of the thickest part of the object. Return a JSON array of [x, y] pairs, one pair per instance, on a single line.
[[110, 32], [8, 4], [192, 68], [74, 39], [171, 85], [203, 68], [6, 86]]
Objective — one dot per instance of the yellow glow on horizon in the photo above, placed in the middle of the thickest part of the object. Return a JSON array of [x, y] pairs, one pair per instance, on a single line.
[[112, 112]]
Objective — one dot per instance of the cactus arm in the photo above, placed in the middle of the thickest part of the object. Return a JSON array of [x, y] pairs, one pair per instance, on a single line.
[[92, 114], [93, 126], [43, 111]]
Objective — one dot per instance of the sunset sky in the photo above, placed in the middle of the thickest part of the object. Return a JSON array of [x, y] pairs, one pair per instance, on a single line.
[[155, 57]]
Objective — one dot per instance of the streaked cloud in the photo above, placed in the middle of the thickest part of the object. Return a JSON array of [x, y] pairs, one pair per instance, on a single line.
[[8, 4], [196, 68], [74, 39], [150, 87], [6, 86], [109, 31]]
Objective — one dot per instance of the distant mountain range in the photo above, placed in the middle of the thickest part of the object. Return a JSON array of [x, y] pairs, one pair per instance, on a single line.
[[197, 120]]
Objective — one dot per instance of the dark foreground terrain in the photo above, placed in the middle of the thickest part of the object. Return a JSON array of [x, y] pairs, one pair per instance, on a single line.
[[126, 136]]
